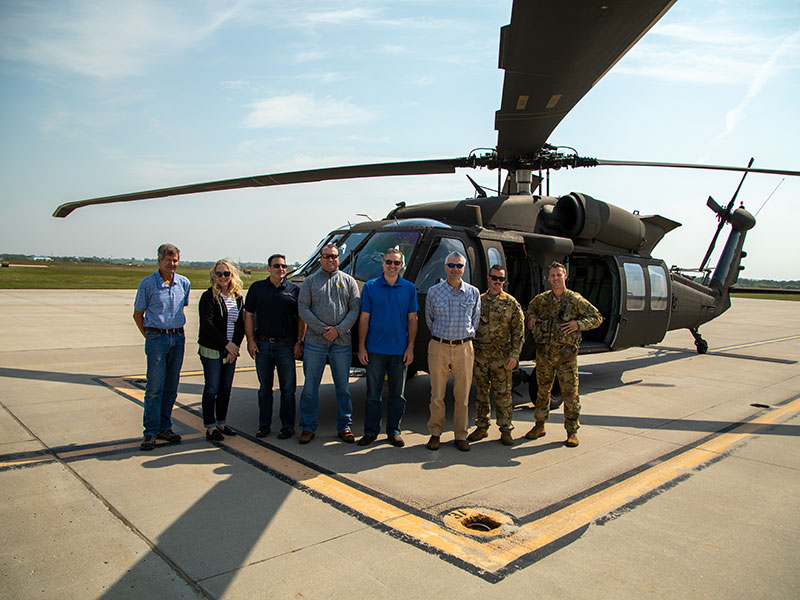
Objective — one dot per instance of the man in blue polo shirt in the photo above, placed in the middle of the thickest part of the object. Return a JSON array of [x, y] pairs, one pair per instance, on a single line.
[[158, 313], [387, 328]]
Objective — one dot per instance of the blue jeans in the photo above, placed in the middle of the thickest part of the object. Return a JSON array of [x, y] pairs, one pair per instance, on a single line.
[[164, 353], [270, 356], [392, 366], [217, 390], [314, 358]]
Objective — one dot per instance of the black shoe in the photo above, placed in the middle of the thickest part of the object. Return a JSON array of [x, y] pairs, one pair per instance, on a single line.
[[262, 432], [214, 436], [148, 443], [396, 441], [285, 433], [226, 430], [366, 440], [169, 435]]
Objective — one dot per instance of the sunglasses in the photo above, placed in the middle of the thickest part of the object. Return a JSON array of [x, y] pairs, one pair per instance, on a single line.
[[455, 265], [396, 263], [497, 278], [278, 266], [222, 273], [330, 256]]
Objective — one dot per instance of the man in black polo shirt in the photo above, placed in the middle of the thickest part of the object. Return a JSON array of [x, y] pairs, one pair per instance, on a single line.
[[274, 333]]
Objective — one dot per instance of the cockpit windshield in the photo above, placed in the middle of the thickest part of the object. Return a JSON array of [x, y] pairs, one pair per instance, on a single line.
[[367, 263]]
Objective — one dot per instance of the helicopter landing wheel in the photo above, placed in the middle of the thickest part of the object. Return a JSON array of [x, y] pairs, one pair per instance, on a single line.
[[556, 397], [699, 342]]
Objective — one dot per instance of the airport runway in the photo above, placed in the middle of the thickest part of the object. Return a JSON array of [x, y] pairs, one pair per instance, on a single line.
[[685, 485]]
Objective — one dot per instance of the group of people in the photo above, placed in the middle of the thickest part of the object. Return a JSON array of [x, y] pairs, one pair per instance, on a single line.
[[476, 338]]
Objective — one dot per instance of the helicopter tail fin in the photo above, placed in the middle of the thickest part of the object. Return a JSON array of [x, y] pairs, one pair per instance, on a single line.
[[729, 264]]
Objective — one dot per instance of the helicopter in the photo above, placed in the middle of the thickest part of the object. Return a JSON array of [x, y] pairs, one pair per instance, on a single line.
[[608, 250]]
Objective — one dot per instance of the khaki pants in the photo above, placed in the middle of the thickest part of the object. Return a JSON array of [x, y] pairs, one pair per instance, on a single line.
[[444, 359]]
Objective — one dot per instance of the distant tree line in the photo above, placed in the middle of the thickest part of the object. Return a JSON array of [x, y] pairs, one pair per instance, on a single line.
[[98, 260], [769, 283]]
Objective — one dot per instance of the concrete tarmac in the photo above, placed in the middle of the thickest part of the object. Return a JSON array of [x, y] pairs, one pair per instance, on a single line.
[[685, 484]]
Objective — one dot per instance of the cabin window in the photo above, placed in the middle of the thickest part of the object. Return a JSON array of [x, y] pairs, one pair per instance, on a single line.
[[658, 287], [634, 286], [432, 272], [369, 260], [493, 254]]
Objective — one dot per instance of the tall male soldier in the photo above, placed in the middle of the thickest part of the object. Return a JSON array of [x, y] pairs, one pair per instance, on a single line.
[[158, 313], [329, 303], [452, 312], [274, 332], [557, 318], [387, 329], [498, 343]]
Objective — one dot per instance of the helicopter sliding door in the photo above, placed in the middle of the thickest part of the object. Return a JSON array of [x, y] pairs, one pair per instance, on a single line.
[[644, 302]]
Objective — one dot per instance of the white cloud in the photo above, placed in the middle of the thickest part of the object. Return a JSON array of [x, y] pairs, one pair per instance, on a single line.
[[304, 110], [105, 39], [768, 70], [339, 17]]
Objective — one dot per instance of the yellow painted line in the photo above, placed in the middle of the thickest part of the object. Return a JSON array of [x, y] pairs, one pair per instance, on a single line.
[[751, 344], [495, 554]]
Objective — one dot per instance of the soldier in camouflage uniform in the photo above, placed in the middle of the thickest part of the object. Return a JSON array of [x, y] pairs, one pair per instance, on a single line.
[[557, 318], [497, 343]]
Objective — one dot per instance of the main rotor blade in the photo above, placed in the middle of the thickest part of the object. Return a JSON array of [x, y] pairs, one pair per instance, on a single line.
[[419, 167], [635, 163], [553, 53]]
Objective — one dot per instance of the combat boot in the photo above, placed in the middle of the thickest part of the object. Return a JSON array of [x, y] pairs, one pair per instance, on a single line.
[[478, 434], [537, 431], [505, 438], [572, 440]]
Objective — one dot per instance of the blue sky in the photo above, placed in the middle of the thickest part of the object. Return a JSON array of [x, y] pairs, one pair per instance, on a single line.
[[101, 98]]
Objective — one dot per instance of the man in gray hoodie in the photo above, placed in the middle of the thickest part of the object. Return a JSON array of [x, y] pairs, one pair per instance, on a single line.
[[329, 303]]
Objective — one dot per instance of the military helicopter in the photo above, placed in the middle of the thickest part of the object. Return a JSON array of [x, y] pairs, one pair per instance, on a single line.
[[608, 250]]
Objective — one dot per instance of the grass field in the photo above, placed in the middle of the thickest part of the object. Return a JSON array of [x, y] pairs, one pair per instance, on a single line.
[[97, 277]]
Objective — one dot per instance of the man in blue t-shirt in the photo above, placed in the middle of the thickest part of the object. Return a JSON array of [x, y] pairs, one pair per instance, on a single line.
[[387, 328], [158, 313]]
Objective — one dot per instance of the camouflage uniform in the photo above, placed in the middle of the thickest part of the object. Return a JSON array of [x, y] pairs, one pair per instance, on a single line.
[[557, 352], [499, 337]]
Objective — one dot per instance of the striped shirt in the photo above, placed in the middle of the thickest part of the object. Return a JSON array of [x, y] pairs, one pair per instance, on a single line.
[[233, 314], [453, 314], [162, 304]]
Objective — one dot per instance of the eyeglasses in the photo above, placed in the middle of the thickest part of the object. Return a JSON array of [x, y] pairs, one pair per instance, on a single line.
[[222, 273], [455, 265], [497, 278], [396, 263], [330, 256], [278, 266]]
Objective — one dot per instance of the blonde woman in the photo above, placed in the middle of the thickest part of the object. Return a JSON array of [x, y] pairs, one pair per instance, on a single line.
[[221, 334]]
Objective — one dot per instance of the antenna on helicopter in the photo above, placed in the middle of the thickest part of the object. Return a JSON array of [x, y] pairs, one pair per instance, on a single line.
[[770, 196]]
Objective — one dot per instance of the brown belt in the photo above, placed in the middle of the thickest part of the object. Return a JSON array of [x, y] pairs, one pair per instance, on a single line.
[[451, 342]]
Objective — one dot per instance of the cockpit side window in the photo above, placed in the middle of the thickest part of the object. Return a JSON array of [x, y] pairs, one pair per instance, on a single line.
[[432, 272]]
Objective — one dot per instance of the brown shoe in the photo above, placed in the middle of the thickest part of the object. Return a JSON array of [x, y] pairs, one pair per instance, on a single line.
[[505, 438], [433, 443], [306, 436], [572, 440], [347, 436], [537, 431], [396, 441], [462, 445], [478, 434]]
